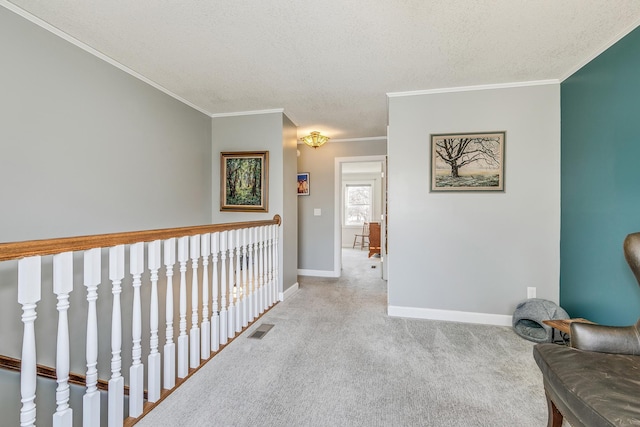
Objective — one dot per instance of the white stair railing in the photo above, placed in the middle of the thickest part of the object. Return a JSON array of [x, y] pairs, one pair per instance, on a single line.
[[62, 287], [238, 280], [154, 360], [116, 383], [91, 398], [169, 346]]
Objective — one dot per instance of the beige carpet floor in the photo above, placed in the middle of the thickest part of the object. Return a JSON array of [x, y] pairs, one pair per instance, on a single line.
[[334, 358]]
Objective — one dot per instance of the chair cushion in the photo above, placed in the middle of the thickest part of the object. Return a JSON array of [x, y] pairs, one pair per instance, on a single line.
[[599, 389]]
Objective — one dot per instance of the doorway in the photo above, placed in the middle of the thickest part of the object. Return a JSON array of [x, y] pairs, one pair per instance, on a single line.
[[360, 197]]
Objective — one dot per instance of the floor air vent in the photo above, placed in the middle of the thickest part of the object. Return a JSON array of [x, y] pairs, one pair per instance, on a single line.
[[261, 331]]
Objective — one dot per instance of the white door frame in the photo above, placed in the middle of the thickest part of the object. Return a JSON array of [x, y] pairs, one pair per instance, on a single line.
[[337, 236]]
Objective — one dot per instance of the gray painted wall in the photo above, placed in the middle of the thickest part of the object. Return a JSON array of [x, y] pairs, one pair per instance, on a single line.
[[290, 204], [475, 252], [259, 132], [86, 149], [316, 248]]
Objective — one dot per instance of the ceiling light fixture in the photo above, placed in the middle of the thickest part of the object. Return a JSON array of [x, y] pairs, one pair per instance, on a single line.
[[314, 139]]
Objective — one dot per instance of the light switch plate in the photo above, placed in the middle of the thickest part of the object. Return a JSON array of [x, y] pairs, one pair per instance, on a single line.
[[317, 212]]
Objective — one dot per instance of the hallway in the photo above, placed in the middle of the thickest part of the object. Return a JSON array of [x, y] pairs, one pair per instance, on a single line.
[[334, 358]]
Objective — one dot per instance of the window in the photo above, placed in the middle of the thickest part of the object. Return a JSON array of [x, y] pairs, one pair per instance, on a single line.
[[358, 203]]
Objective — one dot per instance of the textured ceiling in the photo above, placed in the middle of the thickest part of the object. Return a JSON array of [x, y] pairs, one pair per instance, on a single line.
[[329, 63]]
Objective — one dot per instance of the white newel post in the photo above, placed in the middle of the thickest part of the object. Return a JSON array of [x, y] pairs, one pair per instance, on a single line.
[[276, 263], [169, 346], [194, 333], [276, 279], [239, 295], [215, 315], [269, 289], [154, 359], [62, 286], [183, 338], [29, 284], [205, 332], [91, 398], [265, 289], [116, 383], [245, 288], [223, 287], [136, 371], [231, 330]]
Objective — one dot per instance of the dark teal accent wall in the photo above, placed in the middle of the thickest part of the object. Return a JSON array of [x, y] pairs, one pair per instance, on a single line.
[[600, 175]]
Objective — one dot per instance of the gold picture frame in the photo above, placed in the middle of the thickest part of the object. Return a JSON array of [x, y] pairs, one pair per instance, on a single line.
[[244, 179]]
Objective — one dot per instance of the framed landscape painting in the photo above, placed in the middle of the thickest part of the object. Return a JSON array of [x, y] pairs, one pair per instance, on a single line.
[[244, 178], [467, 161], [303, 183]]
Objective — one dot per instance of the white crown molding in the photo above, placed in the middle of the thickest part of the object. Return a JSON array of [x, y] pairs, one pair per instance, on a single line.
[[45, 25], [370, 138], [450, 315], [601, 49], [248, 113], [474, 88]]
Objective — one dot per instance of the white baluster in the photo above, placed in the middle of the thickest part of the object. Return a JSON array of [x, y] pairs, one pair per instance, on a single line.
[[256, 272], [62, 286], [238, 287], [245, 287], [231, 330], [29, 284], [183, 338], [215, 315], [205, 345], [223, 287], [116, 383], [276, 264], [136, 371], [194, 334], [250, 315], [169, 346], [265, 288], [154, 360], [263, 268], [91, 398]]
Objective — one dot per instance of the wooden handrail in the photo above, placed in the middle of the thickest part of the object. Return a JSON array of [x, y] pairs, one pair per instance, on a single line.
[[17, 250]]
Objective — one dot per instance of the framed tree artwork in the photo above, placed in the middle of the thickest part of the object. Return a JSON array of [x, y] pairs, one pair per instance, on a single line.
[[467, 161], [244, 178]]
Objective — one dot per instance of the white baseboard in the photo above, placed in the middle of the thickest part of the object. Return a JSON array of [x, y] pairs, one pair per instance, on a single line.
[[317, 273], [289, 291], [450, 315]]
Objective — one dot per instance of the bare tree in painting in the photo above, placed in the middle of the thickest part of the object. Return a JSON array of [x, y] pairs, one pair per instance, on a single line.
[[461, 151]]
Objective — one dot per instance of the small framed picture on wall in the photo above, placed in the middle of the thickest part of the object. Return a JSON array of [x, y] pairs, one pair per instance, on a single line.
[[303, 183]]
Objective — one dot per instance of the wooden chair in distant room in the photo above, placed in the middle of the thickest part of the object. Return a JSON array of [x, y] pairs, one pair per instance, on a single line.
[[374, 239], [364, 237]]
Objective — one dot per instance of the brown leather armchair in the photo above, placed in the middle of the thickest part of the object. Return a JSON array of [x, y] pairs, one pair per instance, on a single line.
[[595, 381]]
